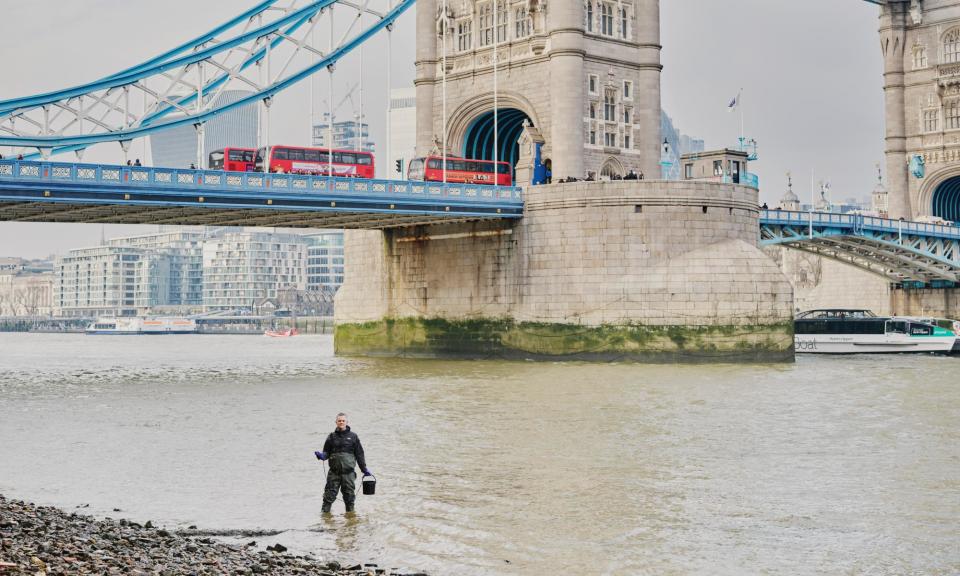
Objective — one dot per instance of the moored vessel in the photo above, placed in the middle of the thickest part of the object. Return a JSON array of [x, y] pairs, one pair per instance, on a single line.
[[137, 325], [859, 331]]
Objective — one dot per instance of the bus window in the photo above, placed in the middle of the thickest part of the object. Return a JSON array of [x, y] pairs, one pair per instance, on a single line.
[[503, 168], [364, 159], [348, 158], [311, 155], [248, 155], [434, 164], [415, 172], [280, 154], [295, 153], [216, 160], [235, 155]]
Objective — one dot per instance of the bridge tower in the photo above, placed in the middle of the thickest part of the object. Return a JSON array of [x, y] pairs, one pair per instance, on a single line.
[[597, 269], [920, 44], [585, 74]]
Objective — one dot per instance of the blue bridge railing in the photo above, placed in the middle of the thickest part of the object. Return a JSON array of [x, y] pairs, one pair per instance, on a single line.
[[856, 223], [174, 179]]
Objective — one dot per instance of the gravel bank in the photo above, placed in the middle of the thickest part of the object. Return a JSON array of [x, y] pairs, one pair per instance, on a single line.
[[39, 540]]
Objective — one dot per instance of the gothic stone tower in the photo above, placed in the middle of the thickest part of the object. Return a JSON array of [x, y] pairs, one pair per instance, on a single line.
[[584, 73], [920, 43]]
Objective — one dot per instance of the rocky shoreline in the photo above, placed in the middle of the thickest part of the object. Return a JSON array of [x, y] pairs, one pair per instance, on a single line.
[[46, 541]]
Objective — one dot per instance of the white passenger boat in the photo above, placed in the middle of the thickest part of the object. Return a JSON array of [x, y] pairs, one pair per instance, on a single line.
[[138, 325], [854, 331]]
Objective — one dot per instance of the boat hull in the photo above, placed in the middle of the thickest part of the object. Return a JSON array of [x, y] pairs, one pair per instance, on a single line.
[[872, 344]]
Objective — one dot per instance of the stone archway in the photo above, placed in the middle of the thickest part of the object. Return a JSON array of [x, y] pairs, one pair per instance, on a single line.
[[929, 188], [945, 201], [470, 116], [479, 140], [612, 169]]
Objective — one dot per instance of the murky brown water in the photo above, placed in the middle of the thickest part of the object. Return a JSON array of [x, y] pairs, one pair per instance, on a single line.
[[838, 465]]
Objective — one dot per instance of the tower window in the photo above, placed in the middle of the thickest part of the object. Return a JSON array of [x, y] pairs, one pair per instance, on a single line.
[[606, 19], [610, 106], [486, 24], [502, 18], [464, 35], [931, 120], [951, 46], [919, 57], [952, 115]]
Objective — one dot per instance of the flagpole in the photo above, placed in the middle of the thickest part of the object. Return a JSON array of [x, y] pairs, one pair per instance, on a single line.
[[741, 113]]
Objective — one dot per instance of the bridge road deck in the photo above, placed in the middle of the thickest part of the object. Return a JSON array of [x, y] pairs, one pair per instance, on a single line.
[[70, 192]]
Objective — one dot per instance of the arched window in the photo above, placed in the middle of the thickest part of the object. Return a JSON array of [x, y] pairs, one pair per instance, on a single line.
[[623, 23], [486, 24], [606, 19], [610, 105], [919, 57], [590, 16], [951, 119], [523, 23], [464, 35], [951, 46], [502, 17]]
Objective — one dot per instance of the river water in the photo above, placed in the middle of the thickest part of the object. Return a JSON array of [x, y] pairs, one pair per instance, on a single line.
[[831, 465]]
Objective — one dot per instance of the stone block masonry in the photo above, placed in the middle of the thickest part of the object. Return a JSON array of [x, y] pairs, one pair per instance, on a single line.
[[642, 270]]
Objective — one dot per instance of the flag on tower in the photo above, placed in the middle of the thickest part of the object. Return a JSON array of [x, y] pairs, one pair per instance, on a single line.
[[734, 103]]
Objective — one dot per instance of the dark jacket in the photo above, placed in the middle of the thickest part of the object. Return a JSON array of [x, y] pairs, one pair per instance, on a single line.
[[345, 442]]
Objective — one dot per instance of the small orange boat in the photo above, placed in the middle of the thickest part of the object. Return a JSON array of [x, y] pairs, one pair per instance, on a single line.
[[281, 333]]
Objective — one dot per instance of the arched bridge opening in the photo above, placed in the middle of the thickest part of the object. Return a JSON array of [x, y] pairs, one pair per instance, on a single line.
[[946, 200], [479, 142]]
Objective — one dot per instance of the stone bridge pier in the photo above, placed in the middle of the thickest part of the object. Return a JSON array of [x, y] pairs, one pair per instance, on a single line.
[[624, 270]]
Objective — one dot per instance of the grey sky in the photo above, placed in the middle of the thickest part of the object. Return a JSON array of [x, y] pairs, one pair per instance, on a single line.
[[810, 71]]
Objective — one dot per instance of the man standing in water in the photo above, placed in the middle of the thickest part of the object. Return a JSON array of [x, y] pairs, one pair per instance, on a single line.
[[344, 452]]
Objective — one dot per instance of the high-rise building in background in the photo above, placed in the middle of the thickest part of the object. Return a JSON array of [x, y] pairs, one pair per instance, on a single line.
[[177, 147], [677, 145], [324, 260], [184, 249], [403, 131], [347, 135], [243, 268], [110, 280]]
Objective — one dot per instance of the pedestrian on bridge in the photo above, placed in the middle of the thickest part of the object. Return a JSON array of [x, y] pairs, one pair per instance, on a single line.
[[344, 451]]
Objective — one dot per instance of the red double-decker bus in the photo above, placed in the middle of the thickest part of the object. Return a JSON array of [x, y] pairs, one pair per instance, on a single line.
[[232, 159], [301, 160], [460, 171]]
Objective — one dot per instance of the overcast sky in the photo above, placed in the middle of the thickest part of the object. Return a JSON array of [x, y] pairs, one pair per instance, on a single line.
[[810, 71]]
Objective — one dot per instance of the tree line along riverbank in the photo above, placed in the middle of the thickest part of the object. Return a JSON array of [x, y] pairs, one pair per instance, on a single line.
[[47, 541]]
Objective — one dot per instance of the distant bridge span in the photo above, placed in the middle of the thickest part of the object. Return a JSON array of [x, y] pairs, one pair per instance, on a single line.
[[913, 253]]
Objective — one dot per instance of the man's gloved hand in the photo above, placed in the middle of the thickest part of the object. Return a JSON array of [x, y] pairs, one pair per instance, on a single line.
[[320, 455], [367, 472]]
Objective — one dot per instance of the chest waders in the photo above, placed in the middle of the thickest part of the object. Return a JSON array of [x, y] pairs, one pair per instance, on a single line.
[[340, 478]]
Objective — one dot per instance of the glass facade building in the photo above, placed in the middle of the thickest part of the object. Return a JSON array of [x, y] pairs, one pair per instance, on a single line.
[[242, 268], [110, 280], [184, 250], [324, 260], [177, 147]]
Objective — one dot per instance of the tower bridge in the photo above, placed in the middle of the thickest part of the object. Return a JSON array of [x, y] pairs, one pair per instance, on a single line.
[[641, 269]]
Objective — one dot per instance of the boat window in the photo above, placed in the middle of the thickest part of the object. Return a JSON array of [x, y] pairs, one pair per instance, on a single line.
[[896, 327]]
